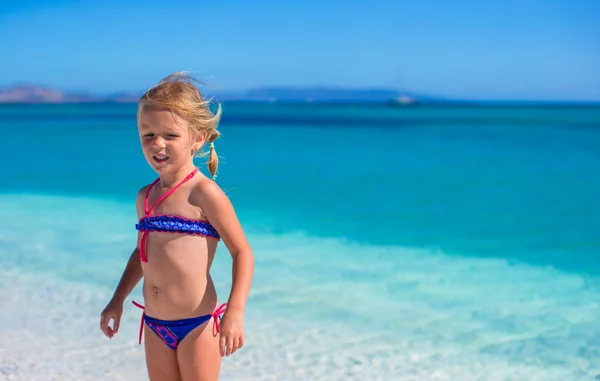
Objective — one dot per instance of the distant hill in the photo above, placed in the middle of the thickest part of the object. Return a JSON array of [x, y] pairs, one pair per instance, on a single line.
[[319, 94], [41, 94]]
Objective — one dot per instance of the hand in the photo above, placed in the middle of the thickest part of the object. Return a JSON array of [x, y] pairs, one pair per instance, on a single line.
[[113, 311], [232, 331]]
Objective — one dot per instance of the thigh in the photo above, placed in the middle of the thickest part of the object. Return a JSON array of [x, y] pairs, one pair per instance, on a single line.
[[161, 360], [198, 354]]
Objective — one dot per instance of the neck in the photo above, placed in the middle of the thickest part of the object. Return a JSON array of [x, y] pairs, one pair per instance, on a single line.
[[168, 180]]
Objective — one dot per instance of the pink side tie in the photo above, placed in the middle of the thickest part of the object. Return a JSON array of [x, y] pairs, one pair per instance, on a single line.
[[142, 320], [217, 313]]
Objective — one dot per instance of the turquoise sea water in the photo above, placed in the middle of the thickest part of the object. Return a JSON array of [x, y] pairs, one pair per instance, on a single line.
[[428, 243]]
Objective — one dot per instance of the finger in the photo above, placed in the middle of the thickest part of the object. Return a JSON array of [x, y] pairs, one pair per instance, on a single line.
[[116, 323], [229, 345], [241, 342], [109, 330], [222, 342], [104, 324], [235, 346]]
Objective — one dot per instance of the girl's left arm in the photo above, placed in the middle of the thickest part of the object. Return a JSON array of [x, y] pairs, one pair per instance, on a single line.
[[220, 213]]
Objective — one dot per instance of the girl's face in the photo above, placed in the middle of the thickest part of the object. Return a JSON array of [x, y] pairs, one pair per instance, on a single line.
[[166, 138]]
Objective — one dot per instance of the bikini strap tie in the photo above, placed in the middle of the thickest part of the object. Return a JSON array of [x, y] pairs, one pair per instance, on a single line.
[[142, 320], [217, 315]]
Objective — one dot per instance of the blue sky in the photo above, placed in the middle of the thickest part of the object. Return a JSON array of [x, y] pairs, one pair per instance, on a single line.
[[476, 49]]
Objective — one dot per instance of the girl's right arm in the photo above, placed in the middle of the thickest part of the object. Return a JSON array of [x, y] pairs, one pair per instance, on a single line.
[[133, 271], [114, 309], [130, 278]]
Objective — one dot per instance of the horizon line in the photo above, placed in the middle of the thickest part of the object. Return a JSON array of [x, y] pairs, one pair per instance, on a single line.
[[385, 104], [414, 96]]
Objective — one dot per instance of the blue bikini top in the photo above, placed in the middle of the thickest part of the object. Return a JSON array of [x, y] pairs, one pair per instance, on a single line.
[[176, 224], [170, 223]]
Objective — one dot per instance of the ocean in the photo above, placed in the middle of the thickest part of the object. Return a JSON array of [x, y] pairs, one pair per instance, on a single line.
[[419, 243]]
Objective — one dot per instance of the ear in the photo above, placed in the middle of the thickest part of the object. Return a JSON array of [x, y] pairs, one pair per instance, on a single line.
[[199, 141]]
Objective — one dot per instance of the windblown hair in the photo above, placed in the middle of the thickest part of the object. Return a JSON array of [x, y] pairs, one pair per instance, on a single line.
[[178, 92]]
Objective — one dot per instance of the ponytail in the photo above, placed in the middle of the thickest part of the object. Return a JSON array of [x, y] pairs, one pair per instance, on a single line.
[[213, 159]]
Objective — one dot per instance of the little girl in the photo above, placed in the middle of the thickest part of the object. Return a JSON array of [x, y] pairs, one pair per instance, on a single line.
[[182, 216]]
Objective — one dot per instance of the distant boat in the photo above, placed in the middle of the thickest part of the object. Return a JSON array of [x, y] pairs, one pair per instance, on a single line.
[[402, 100]]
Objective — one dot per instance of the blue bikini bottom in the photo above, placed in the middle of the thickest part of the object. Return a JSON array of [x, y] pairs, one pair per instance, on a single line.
[[172, 332]]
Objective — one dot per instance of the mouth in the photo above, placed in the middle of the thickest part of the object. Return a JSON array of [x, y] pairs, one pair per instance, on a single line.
[[160, 158]]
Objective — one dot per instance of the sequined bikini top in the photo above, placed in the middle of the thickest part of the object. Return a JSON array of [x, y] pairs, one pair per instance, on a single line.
[[170, 223]]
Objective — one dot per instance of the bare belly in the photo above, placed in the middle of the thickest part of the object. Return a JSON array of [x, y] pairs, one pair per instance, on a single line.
[[177, 283]]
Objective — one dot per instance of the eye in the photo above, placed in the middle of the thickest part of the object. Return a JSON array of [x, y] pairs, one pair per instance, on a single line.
[[148, 135]]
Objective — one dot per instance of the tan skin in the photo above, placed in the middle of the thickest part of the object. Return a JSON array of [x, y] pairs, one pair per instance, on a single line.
[[177, 282]]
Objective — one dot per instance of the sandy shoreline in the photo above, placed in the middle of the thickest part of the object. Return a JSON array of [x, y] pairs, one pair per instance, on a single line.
[[53, 334]]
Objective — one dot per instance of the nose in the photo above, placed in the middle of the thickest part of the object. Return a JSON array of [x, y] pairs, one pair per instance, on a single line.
[[159, 143]]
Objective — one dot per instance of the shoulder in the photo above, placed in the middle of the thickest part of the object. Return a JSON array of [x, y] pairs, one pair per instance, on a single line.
[[216, 208], [139, 200], [210, 198], [207, 195]]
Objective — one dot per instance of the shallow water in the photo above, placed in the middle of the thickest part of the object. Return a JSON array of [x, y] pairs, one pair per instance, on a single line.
[[413, 246]]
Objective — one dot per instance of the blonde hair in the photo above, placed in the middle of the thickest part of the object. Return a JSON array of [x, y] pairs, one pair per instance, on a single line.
[[178, 93]]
